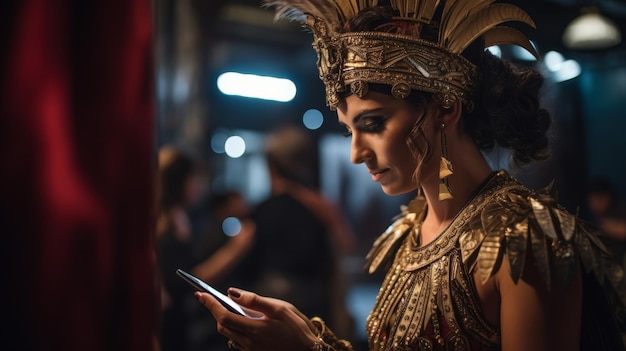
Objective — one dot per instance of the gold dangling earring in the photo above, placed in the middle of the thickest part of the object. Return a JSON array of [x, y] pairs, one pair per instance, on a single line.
[[445, 168]]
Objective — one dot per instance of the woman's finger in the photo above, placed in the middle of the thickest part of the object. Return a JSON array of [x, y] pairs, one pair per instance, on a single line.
[[210, 303], [221, 314], [283, 328], [224, 317], [268, 306]]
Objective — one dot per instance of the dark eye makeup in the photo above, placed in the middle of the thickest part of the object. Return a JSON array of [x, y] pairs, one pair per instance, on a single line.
[[368, 121], [372, 124], [369, 124]]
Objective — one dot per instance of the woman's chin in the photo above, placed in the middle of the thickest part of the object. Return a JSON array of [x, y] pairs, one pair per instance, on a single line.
[[391, 190]]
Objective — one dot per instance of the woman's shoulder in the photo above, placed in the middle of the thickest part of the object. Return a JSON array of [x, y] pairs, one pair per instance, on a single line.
[[517, 223]]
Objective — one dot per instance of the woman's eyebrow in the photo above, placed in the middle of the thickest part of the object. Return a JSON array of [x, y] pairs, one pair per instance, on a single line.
[[360, 115]]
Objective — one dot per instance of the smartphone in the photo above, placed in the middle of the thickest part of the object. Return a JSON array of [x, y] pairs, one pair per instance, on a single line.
[[204, 287]]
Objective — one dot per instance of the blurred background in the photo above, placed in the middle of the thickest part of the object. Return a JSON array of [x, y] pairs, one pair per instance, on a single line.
[[203, 47]]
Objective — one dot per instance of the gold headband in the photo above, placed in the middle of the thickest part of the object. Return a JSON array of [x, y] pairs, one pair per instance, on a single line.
[[350, 61]]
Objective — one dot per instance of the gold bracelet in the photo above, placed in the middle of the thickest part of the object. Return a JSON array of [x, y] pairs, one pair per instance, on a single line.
[[232, 345], [326, 339], [320, 345]]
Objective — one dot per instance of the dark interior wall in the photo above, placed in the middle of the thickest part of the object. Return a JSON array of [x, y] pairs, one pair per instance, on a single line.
[[603, 92]]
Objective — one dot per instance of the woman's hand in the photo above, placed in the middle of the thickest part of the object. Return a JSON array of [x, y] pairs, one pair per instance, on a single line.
[[282, 327]]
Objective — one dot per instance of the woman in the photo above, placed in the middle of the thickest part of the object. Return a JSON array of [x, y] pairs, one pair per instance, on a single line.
[[477, 261]]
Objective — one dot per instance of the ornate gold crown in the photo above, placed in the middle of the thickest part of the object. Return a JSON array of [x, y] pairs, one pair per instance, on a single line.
[[350, 61]]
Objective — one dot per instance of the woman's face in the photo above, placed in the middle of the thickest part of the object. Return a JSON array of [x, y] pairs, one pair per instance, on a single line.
[[379, 126]]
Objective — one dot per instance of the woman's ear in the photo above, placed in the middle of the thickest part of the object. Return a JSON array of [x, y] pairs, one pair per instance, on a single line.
[[451, 115]]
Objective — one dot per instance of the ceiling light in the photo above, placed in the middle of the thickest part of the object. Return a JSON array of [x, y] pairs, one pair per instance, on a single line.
[[553, 60], [235, 146], [569, 69], [254, 86], [591, 31], [313, 119]]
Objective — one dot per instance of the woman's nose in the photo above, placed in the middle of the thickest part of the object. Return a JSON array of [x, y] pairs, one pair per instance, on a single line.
[[359, 152]]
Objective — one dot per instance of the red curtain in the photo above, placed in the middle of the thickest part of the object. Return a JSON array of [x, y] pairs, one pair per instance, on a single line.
[[76, 184]]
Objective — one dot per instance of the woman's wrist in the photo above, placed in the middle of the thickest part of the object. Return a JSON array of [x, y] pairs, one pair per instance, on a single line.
[[325, 339]]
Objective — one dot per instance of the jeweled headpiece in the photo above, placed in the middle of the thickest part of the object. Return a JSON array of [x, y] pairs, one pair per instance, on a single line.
[[350, 61]]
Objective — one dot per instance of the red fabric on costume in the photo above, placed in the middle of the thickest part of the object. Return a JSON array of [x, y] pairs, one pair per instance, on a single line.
[[78, 160]]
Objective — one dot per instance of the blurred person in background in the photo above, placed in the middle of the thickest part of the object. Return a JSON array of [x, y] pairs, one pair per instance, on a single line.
[[300, 235], [229, 237], [608, 214], [608, 211], [219, 249], [179, 188], [209, 256]]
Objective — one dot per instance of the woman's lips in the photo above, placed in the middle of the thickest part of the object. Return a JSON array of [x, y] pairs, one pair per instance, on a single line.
[[378, 174]]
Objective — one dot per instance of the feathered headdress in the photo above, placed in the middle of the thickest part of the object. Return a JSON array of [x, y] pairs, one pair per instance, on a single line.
[[349, 61]]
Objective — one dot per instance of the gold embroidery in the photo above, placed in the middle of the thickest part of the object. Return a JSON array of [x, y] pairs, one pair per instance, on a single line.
[[353, 60], [427, 287]]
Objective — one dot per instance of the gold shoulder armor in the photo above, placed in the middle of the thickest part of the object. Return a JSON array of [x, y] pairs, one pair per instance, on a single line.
[[385, 247], [520, 222]]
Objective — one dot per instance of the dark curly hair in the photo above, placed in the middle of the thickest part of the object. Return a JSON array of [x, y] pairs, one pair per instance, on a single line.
[[506, 109]]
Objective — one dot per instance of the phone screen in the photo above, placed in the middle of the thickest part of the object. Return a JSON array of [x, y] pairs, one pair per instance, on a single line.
[[204, 287]]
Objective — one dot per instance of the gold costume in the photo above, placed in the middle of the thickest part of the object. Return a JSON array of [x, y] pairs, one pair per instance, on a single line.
[[428, 300]]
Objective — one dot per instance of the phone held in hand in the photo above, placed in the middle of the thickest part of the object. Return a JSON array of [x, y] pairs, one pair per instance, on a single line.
[[204, 287]]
